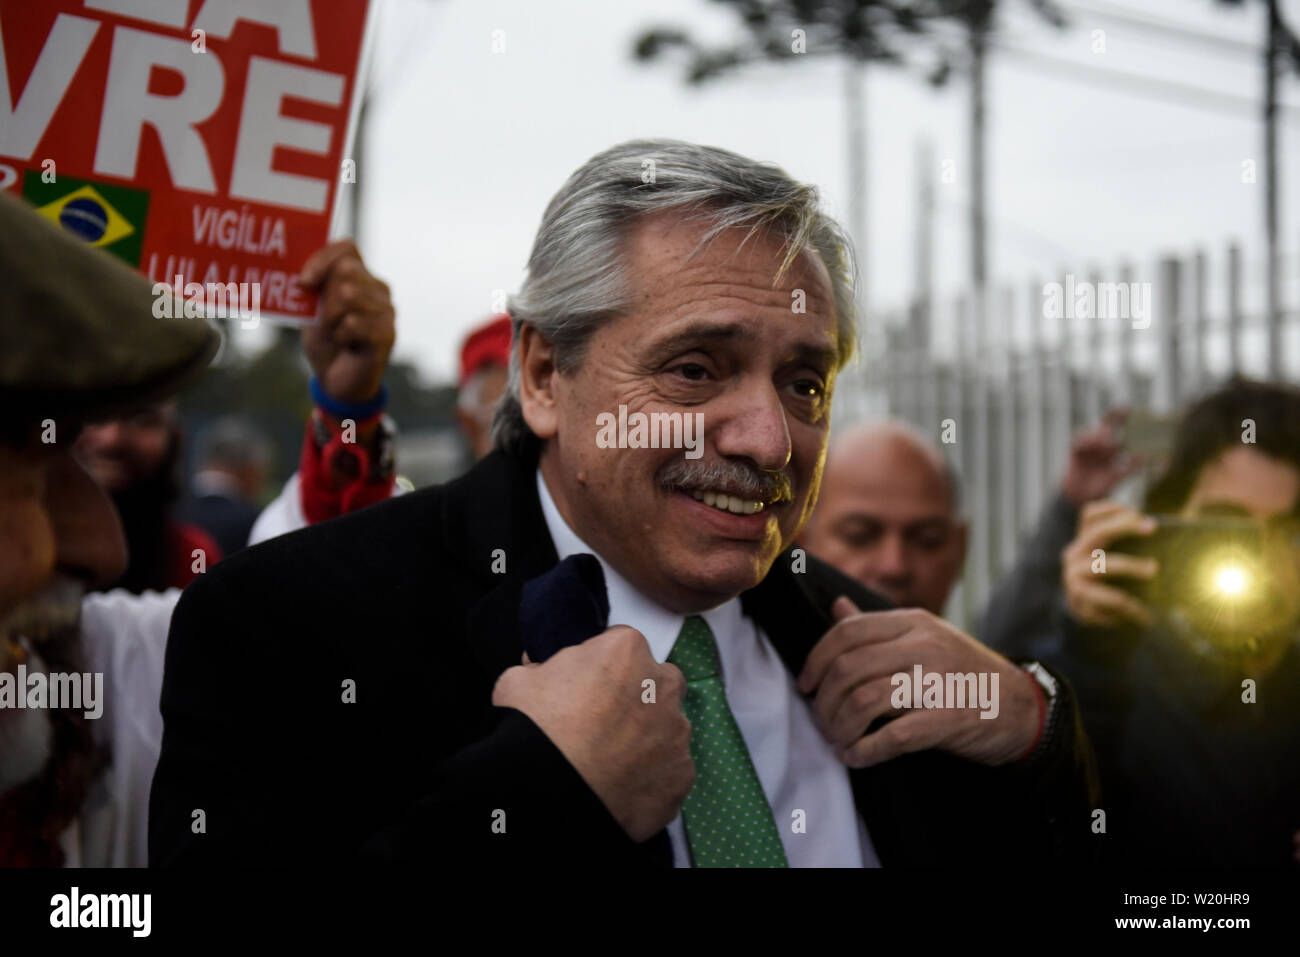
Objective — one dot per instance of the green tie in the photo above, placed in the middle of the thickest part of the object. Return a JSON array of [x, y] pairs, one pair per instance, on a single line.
[[727, 817]]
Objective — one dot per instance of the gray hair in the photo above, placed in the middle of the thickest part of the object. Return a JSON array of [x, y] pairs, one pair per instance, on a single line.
[[576, 276]]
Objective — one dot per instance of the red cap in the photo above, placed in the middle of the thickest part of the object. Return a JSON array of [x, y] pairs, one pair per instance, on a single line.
[[487, 345]]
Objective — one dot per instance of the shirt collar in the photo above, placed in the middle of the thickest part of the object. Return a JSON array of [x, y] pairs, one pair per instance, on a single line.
[[627, 606]]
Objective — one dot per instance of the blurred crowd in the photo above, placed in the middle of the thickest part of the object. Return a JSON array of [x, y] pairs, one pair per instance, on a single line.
[[1185, 683], [1187, 689]]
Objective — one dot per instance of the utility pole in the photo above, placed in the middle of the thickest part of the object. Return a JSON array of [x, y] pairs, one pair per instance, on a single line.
[[854, 104], [981, 12], [923, 294], [1273, 316], [979, 26]]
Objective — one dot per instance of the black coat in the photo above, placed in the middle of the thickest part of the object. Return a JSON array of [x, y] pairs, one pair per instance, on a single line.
[[1194, 776], [401, 599]]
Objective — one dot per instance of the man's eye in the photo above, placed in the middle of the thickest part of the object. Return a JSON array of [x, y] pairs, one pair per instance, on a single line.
[[693, 371], [859, 536], [809, 388]]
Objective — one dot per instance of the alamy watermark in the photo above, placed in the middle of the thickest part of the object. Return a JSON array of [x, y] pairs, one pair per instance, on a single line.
[[1098, 300], [931, 689], [651, 430], [74, 909], [78, 691], [221, 300]]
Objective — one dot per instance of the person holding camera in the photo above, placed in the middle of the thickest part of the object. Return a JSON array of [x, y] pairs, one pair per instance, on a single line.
[[1180, 634]]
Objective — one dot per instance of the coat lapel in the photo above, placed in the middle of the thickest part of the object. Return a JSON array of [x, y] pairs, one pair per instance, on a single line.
[[495, 506], [794, 612], [791, 619], [492, 515]]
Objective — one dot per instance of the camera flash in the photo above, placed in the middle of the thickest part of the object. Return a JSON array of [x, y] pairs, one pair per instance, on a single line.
[[1230, 580]]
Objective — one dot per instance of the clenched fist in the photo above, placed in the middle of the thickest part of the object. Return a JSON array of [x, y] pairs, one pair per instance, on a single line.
[[348, 346], [587, 699]]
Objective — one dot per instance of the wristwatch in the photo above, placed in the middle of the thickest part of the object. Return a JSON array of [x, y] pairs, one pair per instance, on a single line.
[[1051, 696]]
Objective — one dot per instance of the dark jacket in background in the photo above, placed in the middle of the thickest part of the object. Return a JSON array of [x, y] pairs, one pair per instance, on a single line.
[[1191, 775], [226, 519], [401, 600]]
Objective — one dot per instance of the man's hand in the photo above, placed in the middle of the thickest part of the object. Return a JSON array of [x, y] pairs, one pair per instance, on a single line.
[[1083, 575], [1097, 461], [348, 346], [587, 699], [850, 670]]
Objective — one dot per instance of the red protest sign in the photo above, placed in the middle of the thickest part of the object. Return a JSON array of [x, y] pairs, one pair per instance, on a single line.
[[202, 141]]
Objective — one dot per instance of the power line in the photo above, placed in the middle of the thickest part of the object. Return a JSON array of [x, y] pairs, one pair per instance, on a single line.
[[1167, 29], [1170, 91]]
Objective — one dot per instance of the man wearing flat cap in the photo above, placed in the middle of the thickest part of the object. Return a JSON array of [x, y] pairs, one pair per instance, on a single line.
[[695, 691], [80, 675]]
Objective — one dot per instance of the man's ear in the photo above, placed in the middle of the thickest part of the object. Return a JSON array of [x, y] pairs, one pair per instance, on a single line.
[[537, 374]]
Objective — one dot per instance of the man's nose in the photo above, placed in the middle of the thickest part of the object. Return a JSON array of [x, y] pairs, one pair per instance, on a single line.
[[891, 558], [88, 534], [755, 427]]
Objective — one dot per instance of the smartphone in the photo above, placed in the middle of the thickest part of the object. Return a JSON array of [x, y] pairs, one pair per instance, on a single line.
[[1226, 577]]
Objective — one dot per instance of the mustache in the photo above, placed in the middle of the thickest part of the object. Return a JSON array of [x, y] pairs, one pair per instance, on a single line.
[[741, 479]]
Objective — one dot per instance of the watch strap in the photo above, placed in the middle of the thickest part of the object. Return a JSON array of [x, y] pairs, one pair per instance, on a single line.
[[1050, 733]]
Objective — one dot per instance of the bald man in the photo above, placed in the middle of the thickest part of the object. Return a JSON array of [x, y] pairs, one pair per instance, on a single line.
[[888, 515]]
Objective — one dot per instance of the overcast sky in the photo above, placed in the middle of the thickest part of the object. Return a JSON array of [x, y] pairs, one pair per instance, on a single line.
[[466, 146]]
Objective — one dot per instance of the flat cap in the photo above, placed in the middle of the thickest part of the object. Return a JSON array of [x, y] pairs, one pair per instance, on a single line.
[[78, 335]]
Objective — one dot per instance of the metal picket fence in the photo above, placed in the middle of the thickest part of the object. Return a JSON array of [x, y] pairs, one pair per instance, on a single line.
[[1018, 376]]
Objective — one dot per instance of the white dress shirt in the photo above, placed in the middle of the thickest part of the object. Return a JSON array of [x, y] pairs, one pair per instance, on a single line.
[[796, 766], [124, 638]]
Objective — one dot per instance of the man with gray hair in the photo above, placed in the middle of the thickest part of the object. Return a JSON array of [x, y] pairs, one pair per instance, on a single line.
[[596, 649]]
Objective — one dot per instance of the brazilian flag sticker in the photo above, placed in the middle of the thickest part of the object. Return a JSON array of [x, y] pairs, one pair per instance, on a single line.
[[111, 217]]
